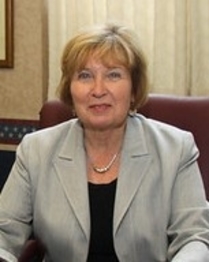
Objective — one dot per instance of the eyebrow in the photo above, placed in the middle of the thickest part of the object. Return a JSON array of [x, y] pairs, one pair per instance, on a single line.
[[107, 67]]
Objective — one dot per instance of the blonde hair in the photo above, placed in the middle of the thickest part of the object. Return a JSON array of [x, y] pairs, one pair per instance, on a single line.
[[109, 43]]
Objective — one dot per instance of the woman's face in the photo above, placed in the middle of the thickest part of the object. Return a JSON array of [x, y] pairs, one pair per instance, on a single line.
[[101, 95]]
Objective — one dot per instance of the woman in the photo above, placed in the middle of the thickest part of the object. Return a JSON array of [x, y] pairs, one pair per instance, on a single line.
[[109, 185]]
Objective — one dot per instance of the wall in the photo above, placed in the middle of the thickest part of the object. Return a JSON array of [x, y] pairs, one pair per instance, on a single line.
[[23, 88]]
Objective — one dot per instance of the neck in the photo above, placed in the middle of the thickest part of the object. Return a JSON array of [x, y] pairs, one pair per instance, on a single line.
[[104, 142], [103, 154]]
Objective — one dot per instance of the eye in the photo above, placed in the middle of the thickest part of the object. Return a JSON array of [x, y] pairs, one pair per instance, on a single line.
[[84, 75], [114, 75]]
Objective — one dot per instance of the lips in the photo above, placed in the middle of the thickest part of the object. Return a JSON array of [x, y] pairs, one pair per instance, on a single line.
[[100, 107]]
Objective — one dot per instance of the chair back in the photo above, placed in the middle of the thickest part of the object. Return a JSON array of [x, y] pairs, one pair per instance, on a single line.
[[188, 113]]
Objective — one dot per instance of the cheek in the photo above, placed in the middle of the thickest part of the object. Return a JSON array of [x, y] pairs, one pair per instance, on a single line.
[[77, 92], [125, 97]]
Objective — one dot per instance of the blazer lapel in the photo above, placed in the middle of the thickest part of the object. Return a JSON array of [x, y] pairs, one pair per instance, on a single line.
[[71, 169], [134, 165]]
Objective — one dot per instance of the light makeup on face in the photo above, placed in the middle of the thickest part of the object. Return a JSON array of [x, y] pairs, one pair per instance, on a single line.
[[111, 74]]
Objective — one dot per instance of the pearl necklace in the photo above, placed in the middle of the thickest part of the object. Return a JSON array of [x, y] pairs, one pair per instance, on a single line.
[[103, 170]]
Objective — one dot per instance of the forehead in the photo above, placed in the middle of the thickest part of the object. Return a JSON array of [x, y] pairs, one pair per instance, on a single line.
[[98, 64], [105, 57]]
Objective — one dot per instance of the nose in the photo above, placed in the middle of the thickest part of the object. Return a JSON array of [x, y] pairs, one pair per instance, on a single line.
[[99, 88]]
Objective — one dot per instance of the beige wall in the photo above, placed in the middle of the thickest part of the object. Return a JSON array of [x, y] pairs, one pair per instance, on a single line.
[[23, 88]]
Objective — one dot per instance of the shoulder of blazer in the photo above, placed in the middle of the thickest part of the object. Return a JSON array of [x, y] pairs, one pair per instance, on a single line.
[[50, 138], [59, 129], [160, 134], [159, 127]]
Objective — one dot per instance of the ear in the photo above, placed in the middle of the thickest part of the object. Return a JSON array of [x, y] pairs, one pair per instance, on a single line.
[[132, 102]]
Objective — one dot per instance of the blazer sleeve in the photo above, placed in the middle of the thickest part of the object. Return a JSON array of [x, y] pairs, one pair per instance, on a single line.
[[16, 206], [189, 224], [193, 252]]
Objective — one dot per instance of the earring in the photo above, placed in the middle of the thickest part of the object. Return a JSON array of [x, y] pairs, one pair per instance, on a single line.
[[73, 112], [132, 110]]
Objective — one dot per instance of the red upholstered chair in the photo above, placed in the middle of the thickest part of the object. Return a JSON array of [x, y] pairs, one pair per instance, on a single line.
[[33, 251], [188, 113]]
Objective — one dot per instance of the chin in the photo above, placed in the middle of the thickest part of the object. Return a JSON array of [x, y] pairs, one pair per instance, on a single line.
[[106, 126]]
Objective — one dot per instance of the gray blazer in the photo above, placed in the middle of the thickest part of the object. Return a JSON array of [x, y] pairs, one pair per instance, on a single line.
[[160, 206]]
